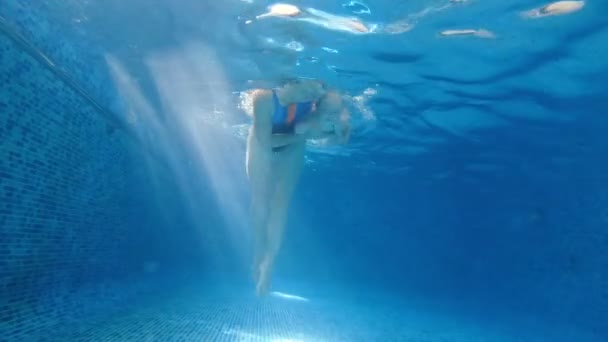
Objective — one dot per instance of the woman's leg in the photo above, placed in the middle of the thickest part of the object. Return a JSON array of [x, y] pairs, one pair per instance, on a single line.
[[258, 165], [287, 167], [259, 215]]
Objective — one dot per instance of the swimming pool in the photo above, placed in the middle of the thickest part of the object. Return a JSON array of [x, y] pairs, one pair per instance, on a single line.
[[469, 204]]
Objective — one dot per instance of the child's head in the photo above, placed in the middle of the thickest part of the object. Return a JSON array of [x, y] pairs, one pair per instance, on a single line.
[[301, 90]]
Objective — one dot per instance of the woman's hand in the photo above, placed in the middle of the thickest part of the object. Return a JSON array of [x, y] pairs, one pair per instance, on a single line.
[[342, 131], [342, 127]]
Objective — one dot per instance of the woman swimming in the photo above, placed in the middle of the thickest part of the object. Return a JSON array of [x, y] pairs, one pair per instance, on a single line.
[[349, 24], [283, 119], [555, 8], [317, 17]]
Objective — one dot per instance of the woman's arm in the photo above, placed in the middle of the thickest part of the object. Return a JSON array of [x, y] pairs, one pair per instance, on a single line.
[[262, 116]]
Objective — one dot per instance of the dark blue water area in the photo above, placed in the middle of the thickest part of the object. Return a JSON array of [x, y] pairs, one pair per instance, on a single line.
[[470, 203]]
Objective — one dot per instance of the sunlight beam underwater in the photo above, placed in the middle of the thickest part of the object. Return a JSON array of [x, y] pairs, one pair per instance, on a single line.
[[214, 151], [191, 136]]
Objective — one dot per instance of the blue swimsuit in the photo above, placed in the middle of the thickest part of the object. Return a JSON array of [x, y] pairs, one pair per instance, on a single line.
[[284, 119]]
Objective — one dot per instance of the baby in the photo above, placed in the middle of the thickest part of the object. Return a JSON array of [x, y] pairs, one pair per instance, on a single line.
[[331, 121]]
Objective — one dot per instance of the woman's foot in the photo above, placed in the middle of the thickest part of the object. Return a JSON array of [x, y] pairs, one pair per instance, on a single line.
[[263, 281], [255, 270]]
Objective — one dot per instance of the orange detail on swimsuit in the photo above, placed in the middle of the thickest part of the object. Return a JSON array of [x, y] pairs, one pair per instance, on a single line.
[[291, 113]]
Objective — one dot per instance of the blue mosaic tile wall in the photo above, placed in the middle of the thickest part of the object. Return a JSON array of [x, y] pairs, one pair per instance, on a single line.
[[73, 220], [69, 47]]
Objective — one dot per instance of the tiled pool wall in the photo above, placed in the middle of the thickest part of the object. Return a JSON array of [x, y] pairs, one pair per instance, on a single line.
[[73, 221], [69, 47]]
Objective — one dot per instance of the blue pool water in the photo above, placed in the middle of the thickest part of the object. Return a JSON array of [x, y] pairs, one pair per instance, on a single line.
[[470, 204]]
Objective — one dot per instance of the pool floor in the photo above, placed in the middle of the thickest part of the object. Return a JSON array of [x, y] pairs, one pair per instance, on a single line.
[[201, 313]]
